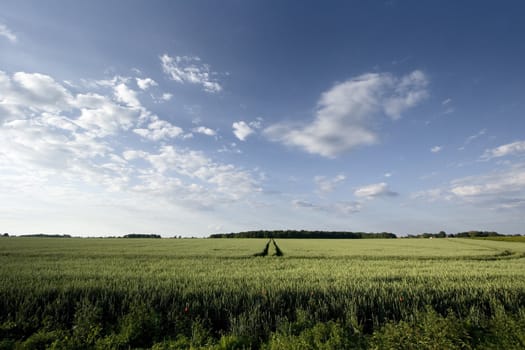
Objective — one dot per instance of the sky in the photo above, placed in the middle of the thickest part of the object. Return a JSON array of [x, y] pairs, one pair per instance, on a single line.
[[198, 117]]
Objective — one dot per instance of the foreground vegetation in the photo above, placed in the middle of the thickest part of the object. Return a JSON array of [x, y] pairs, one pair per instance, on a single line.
[[214, 293]]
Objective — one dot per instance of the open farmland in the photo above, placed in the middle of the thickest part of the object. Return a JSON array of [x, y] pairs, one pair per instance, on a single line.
[[214, 293]]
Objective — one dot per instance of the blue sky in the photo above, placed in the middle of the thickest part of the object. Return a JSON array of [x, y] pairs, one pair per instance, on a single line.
[[190, 118]]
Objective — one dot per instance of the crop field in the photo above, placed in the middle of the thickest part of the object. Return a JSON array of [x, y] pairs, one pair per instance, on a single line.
[[78, 293]]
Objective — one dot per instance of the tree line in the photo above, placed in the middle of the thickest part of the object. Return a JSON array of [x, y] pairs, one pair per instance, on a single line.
[[303, 234], [467, 234]]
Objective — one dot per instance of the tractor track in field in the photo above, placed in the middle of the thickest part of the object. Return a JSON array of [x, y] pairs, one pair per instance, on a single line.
[[266, 250]]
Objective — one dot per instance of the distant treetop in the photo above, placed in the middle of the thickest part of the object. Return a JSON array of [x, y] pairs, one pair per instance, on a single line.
[[141, 235], [43, 235]]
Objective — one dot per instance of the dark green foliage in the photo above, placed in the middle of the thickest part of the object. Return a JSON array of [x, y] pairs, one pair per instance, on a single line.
[[304, 234], [287, 320], [424, 330], [329, 335]]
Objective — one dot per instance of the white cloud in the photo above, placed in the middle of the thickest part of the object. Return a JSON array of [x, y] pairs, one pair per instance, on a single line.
[[159, 129], [33, 96], [146, 83], [513, 148], [127, 96], [446, 101], [185, 69], [388, 175], [346, 112], [327, 185], [497, 183], [7, 33], [436, 149], [242, 130], [101, 117], [204, 130], [374, 190], [25, 93]]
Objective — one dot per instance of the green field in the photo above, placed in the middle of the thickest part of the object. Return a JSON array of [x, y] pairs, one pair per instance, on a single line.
[[214, 293]]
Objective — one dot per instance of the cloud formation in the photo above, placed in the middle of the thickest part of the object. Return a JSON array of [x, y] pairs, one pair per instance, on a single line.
[[187, 69], [82, 138], [436, 149], [344, 116], [7, 33]]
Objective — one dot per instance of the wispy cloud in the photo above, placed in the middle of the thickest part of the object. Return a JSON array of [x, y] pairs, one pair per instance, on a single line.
[[188, 69], [374, 190], [166, 96], [7, 33], [500, 189], [345, 113], [471, 138], [508, 149], [326, 185], [436, 149], [344, 208]]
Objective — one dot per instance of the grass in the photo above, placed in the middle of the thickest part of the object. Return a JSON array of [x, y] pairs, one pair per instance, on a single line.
[[204, 293]]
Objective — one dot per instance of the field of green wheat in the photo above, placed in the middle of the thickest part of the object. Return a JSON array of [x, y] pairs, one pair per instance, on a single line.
[[58, 293]]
